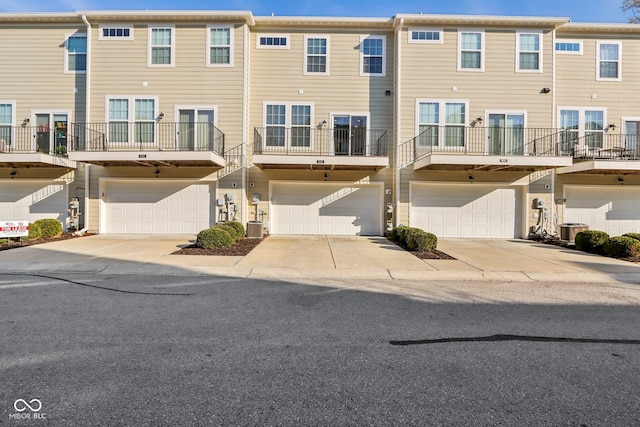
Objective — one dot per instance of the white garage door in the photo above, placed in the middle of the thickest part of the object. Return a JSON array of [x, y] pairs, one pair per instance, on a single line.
[[157, 207], [467, 210], [613, 209], [32, 200], [326, 208]]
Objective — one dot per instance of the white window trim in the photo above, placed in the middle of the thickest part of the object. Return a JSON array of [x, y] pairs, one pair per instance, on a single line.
[[123, 26], [442, 119], [13, 111], [304, 66], [384, 56], [540, 52], [173, 46], [281, 36], [427, 29], [366, 114], [177, 109], [66, 53], [609, 79], [287, 119], [565, 52], [581, 119], [231, 35], [482, 50], [132, 114]]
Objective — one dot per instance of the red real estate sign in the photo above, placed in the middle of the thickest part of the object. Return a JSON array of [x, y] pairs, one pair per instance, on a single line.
[[14, 228]]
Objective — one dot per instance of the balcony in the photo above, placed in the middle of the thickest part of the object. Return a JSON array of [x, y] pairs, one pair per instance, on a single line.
[[603, 153], [33, 146], [485, 148], [147, 144], [324, 149]]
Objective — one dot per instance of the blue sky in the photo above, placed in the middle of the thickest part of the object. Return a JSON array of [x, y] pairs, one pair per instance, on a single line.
[[578, 10]]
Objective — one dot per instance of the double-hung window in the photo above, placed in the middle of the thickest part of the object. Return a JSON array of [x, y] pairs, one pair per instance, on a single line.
[[131, 120], [470, 50], [583, 129], [161, 46], [288, 125], [76, 49], [373, 56], [316, 57], [441, 123], [6, 121], [609, 61], [529, 52], [220, 46]]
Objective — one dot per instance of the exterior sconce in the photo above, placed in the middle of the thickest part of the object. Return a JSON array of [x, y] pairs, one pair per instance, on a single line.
[[470, 178], [13, 174], [612, 126], [479, 120], [620, 180], [326, 176], [545, 90], [387, 93], [160, 116], [26, 120], [157, 173]]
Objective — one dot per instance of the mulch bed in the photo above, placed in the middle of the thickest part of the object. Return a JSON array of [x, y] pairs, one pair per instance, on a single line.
[[240, 248], [563, 244], [21, 244], [434, 254]]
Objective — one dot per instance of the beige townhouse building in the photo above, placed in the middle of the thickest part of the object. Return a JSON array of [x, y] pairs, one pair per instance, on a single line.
[[466, 126]]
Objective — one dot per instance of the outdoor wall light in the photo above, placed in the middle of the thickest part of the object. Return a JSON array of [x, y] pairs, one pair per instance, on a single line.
[[620, 180], [545, 90], [612, 126], [387, 93], [157, 173], [13, 174], [478, 121], [470, 178], [161, 116], [326, 176]]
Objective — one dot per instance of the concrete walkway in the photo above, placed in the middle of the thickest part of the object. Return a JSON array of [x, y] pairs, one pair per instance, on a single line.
[[318, 257]]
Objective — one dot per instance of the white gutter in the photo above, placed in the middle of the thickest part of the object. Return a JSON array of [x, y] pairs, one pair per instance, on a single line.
[[553, 219], [87, 81], [397, 121], [245, 110]]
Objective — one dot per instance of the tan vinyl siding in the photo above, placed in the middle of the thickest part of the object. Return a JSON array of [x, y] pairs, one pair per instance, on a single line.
[[32, 70], [120, 68]]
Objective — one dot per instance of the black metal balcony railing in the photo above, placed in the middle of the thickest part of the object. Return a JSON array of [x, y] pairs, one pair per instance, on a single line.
[[600, 145], [301, 141], [485, 141], [146, 136], [33, 139]]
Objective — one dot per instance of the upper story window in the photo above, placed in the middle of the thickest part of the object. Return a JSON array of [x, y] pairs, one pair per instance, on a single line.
[[372, 54], [131, 119], [470, 50], [288, 125], [529, 52], [426, 35], [7, 110], [272, 41], [441, 123], [609, 63], [120, 32], [76, 58], [161, 46], [316, 56], [220, 46], [584, 128], [569, 47]]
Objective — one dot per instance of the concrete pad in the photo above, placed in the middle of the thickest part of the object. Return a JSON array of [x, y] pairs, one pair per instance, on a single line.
[[291, 252], [371, 252]]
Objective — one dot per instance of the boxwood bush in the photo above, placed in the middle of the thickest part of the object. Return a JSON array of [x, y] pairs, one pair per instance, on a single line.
[[414, 239], [633, 235], [215, 237], [621, 247], [591, 241], [229, 229], [238, 227], [35, 231], [50, 227]]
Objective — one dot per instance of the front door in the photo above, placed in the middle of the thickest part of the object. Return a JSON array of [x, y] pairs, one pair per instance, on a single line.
[[506, 134], [195, 129], [350, 135], [51, 133]]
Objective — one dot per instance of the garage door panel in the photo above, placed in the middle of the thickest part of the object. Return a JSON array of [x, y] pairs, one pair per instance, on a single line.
[[464, 210], [327, 208], [607, 208]]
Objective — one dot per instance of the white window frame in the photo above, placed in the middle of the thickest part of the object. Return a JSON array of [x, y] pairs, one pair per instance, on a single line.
[[12, 122], [230, 46], [288, 125], [483, 49], [367, 114], [384, 56], [150, 47], [442, 121], [609, 79], [506, 113], [539, 52], [67, 53], [279, 36], [131, 117], [440, 31], [568, 52], [305, 71], [581, 122], [101, 28]]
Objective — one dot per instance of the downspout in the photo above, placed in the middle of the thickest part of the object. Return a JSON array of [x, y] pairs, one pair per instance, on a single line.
[[245, 110], [87, 114], [553, 220], [397, 120]]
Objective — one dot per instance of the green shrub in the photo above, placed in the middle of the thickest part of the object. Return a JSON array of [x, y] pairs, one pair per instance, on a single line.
[[632, 235], [591, 241], [239, 228], [228, 229], [216, 237], [50, 227], [621, 247], [394, 235], [419, 240], [35, 231]]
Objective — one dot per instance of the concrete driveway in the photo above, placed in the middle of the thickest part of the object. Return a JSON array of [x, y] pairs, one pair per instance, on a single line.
[[299, 257]]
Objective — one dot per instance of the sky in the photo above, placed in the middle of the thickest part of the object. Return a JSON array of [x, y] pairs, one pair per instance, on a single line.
[[578, 10]]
